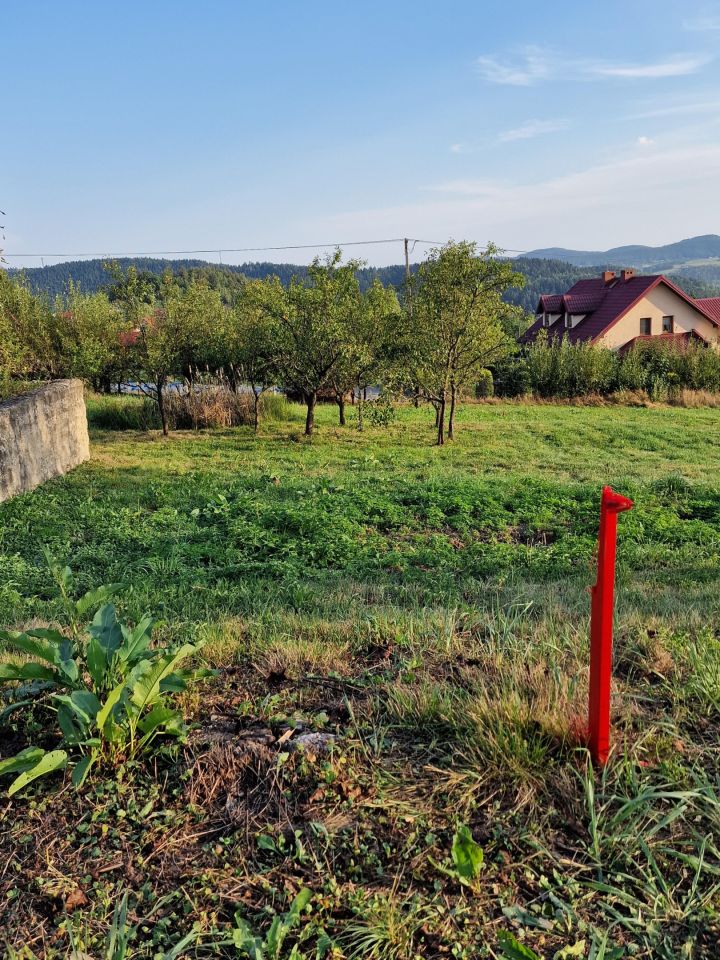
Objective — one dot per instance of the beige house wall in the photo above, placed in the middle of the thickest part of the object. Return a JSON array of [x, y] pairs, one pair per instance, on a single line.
[[660, 302]]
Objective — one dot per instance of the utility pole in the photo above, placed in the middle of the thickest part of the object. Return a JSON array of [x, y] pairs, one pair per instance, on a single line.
[[408, 289]]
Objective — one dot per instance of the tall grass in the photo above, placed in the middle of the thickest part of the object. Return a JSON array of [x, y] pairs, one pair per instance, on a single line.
[[121, 412], [213, 407]]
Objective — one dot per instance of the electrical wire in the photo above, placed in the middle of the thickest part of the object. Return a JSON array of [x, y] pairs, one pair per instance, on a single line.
[[221, 250]]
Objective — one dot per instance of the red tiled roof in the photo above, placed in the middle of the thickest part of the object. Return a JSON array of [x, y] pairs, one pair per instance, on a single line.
[[711, 305], [551, 302], [606, 303]]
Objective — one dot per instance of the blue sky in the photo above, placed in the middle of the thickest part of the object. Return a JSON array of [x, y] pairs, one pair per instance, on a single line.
[[157, 125]]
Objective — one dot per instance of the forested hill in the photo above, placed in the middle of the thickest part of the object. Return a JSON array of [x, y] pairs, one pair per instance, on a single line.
[[649, 259], [542, 276], [93, 275]]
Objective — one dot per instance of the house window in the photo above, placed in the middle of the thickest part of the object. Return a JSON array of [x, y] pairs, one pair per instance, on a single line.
[[645, 326], [668, 325], [568, 321]]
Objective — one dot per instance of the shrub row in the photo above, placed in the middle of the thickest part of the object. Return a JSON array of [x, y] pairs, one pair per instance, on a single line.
[[565, 370]]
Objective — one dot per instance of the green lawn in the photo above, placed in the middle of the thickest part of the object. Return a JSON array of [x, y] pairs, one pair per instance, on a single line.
[[428, 608]]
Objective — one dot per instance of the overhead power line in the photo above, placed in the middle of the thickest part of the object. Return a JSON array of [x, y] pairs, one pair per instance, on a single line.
[[221, 250]]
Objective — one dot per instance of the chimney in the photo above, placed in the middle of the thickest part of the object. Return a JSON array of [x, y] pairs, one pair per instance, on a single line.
[[608, 276], [627, 274]]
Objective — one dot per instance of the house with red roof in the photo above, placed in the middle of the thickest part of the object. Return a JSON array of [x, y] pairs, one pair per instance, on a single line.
[[617, 310]]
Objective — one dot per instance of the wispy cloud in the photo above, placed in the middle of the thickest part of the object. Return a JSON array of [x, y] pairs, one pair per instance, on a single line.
[[536, 64], [531, 129], [525, 131], [677, 66], [645, 141], [599, 206]]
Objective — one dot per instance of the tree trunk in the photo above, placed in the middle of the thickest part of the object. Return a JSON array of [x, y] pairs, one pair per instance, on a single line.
[[361, 408], [451, 419], [161, 407], [311, 399], [441, 423], [341, 410], [256, 410], [436, 408]]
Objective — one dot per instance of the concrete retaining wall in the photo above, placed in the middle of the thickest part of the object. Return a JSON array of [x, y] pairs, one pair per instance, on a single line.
[[42, 435]]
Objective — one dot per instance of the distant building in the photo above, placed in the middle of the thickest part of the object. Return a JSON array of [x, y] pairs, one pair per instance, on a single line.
[[617, 310]]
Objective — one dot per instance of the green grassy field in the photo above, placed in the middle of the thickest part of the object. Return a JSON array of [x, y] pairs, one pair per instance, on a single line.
[[426, 608]]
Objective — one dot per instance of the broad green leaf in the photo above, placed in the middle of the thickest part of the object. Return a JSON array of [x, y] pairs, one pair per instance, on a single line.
[[512, 949], [300, 902], [466, 854], [179, 679], [165, 719], [175, 683], [106, 629], [25, 643], [83, 703], [243, 939], [53, 637], [24, 760], [111, 700], [54, 760], [98, 660], [146, 677], [70, 669], [81, 770], [136, 641], [13, 708], [93, 598], [86, 701], [27, 671], [74, 728]]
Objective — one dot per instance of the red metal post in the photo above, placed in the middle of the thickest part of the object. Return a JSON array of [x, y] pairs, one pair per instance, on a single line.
[[601, 625]]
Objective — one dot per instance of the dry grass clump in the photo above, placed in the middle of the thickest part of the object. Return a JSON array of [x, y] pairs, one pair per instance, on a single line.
[[680, 397], [212, 407], [693, 399]]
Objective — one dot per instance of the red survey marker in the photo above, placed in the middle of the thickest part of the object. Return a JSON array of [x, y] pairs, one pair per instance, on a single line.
[[601, 625]]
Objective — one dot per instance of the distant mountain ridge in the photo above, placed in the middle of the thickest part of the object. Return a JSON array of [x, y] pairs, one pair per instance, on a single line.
[[706, 247]]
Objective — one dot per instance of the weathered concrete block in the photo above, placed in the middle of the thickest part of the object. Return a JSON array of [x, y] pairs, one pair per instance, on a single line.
[[42, 435]]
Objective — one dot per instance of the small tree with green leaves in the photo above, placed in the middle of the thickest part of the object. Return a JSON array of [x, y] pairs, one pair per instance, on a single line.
[[28, 342], [253, 346], [371, 329], [456, 327], [165, 341], [313, 322], [89, 330]]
